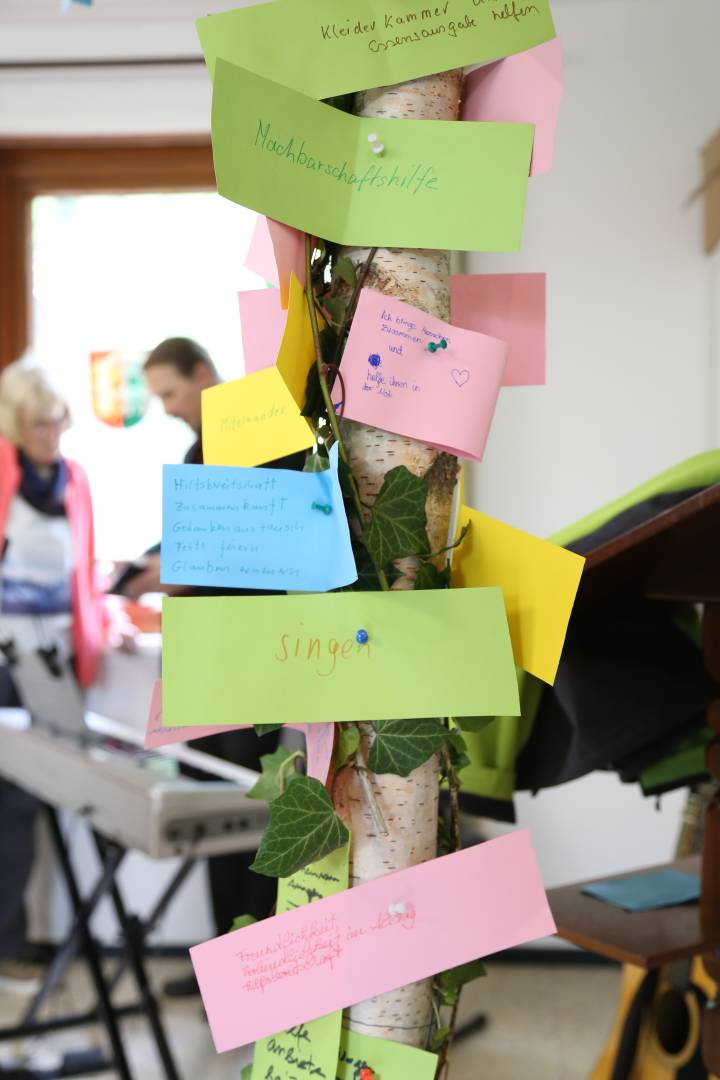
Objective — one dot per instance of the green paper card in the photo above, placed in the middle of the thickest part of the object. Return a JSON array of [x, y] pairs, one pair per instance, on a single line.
[[308, 1049], [324, 49], [388, 1060], [281, 659], [436, 185]]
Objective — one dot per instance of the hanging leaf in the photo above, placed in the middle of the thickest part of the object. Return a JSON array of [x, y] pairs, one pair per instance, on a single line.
[[266, 729], [347, 742], [335, 308], [242, 921], [345, 270], [439, 1038], [457, 750], [277, 771], [398, 520], [303, 828], [450, 983], [429, 577], [402, 745]]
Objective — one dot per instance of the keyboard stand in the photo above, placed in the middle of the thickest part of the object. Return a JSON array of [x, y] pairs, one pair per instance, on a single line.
[[81, 941]]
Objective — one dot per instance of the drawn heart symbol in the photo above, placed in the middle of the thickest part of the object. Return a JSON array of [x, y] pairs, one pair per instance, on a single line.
[[460, 377]]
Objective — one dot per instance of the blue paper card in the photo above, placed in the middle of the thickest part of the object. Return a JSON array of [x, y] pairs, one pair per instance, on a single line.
[[646, 892], [244, 528]]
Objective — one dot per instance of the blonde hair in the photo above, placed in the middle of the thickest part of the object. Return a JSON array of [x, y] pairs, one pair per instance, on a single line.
[[26, 389]]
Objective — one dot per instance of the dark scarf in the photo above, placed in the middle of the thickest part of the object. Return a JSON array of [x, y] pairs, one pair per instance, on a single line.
[[44, 492]]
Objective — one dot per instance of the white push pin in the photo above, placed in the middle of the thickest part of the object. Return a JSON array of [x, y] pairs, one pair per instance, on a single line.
[[396, 909], [377, 146]]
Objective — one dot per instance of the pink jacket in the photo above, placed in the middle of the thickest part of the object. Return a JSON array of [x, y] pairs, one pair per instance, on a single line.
[[87, 608]]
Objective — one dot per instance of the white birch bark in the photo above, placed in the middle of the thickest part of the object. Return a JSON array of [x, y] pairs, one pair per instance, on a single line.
[[409, 805]]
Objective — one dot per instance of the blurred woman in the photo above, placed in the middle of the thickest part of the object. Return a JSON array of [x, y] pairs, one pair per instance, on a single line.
[[48, 600]]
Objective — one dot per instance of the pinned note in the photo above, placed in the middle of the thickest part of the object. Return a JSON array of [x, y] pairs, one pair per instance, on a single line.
[[525, 89], [257, 418], [384, 1058], [311, 1048], [311, 166], [510, 307], [303, 652], [347, 948], [370, 44], [255, 528], [276, 252], [539, 581], [262, 321], [393, 381], [319, 738]]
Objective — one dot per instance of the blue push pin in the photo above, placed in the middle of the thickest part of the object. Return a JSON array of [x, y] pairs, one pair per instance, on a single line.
[[362, 637]]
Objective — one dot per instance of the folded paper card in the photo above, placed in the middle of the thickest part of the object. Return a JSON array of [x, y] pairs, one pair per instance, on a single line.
[[257, 418], [383, 1058], [310, 165], [445, 397], [428, 653], [510, 307], [370, 43], [262, 321], [371, 939], [272, 529], [310, 1049], [276, 252], [539, 581], [524, 89], [319, 738], [647, 892]]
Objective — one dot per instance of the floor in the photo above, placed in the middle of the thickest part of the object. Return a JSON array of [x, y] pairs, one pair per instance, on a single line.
[[547, 1022]]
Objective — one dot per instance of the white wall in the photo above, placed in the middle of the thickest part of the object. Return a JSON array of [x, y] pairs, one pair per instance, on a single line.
[[632, 304], [631, 299]]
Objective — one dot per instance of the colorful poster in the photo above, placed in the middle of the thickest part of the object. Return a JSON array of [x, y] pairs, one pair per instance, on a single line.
[[408, 372], [271, 529], [371, 939], [510, 307], [428, 653], [257, 418], [120, 397], [539, 581], [311, 166], [524, 89], [370, 43]]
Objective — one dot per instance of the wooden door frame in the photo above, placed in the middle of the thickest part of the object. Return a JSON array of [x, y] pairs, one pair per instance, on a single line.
[[34, 166]]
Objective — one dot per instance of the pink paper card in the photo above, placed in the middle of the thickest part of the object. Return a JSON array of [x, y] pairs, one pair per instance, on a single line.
[[524, 88], [262, 321], [319, 738], [277, 250], [510, 307], [365, 941], [445, 398]]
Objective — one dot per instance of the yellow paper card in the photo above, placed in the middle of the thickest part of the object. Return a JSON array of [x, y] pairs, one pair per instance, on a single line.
[[539, 581], [257, 419]]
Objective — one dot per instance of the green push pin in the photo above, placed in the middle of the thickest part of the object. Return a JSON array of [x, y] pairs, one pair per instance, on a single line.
[[432, 347], [326, 509]]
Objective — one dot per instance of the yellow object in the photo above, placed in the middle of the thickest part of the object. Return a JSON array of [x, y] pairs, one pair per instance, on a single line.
[[257, 418], [539, 581]]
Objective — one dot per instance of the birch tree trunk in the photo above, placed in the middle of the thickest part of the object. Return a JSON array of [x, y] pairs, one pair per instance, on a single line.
[[409, 805]]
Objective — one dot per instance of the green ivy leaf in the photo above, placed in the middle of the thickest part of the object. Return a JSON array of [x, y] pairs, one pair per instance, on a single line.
[[473, 723], [429, 577], [439, 1038], [265, 729], [402, 745], [449, 983], [277, 770], [335, 308], [303, 828], [246, 1074], [347, 742], [242, 921], [398, 520], [345, 270]]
